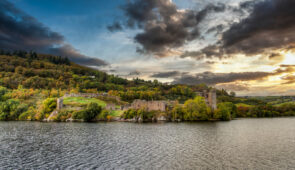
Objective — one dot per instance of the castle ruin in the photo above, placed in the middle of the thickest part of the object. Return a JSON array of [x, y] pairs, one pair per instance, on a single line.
[[210, 98], [150, 105], [59, 103]]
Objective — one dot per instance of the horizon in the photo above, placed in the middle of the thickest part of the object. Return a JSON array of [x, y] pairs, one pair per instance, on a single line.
[[231, 44]]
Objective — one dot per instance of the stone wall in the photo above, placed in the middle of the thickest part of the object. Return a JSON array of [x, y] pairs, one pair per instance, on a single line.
[[111, 106], [91, 95], [149, 105]]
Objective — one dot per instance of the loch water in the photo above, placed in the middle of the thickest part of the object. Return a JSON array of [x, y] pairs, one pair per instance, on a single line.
[[238, 144]]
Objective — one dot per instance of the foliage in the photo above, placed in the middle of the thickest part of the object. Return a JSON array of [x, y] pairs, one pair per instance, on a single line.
[[3, 91], [11, 109], [92, 110], [28, 115], [140, 115], [48, 106], [177, 113], [103, 116], [63, 115], [78, 115], [196, 109], [223, 112]]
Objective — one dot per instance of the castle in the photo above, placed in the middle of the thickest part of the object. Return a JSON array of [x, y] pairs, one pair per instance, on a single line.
[[159, 105], [210, 98], [162, 105]]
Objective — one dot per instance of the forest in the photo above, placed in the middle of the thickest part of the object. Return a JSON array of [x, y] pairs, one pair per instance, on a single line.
[[30, 83]]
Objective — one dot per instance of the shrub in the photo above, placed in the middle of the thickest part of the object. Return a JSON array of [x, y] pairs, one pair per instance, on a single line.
[[63, 115], [28, 115], [11, 109], [3, 91], [223, 112], [93, 109], [196, 109], [48, 106], [78, 114], [103, 115]]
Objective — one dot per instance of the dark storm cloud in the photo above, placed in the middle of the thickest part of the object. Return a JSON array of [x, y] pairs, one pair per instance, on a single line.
[[168, 74], [218, 29], [271, 25], [216, 78], [164, 27], [207, 52], [274, 55], [19, 31], [115, 27], [134, 73]]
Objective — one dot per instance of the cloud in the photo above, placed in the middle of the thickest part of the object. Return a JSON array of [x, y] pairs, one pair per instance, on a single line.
[[234, 86], [134, 73], [164, 26], [208, 52], [290, 79], [270, 25], [168, 74], [19, 31], [218, 29], [115, 27], [217, 78]]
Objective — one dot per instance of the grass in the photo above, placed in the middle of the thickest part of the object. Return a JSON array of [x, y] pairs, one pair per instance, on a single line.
[[281, 104], [116, 113], [243, 105], [82, 101]]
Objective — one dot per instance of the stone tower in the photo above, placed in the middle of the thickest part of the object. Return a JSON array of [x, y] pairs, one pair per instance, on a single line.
[[212, 99], [59, 103]]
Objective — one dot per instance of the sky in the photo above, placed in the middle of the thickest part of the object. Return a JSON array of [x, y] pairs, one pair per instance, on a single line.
[[246, 46]]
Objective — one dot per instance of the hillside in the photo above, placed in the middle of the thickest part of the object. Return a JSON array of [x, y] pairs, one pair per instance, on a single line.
[[30, 84], [37, 71]]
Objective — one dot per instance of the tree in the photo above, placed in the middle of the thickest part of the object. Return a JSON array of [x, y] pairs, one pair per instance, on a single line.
[[48, 106], [3, 91], [196, 109], [92, 110], [223, 112], [232, 94]]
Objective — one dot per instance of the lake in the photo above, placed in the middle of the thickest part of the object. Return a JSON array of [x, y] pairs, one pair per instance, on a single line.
[[239, 144]]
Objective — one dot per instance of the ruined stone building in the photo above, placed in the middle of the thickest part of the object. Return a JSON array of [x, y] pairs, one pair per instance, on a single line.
[[150, 105], [159, 105], [59, 103], [110, 106], [210, 98]]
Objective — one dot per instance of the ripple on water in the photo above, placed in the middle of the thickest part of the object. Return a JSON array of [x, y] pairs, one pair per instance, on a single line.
[[239, 144]]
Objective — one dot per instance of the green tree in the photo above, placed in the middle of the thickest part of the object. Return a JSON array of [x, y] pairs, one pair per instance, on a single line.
[[196, 109], [223, 112], [3, 91], [48, 106], [92, 110]]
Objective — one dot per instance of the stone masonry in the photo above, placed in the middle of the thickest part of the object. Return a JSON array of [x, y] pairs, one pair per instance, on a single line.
[[160, 105], [210, 98]]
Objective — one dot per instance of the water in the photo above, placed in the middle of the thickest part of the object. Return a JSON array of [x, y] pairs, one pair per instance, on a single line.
[[240, 144]]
